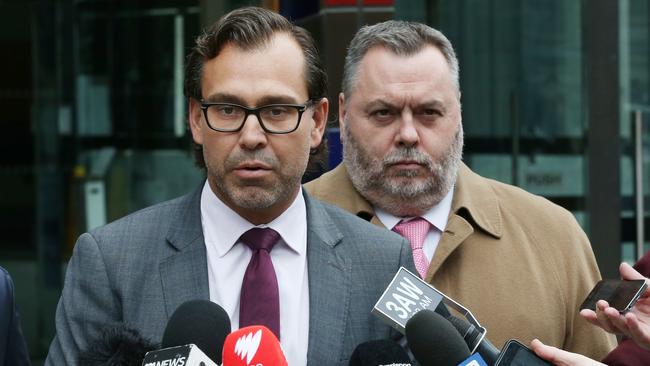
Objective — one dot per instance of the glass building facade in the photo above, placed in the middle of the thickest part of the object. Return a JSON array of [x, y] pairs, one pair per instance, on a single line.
[[555, 95]]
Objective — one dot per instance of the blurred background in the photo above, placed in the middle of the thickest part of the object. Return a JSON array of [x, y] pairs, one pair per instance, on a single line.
[[556, 100]]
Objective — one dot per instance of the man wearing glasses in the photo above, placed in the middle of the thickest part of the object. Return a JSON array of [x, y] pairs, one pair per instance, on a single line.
[[249, 239]]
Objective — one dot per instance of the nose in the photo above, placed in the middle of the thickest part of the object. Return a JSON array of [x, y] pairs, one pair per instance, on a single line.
[[407, 135], [252, 135]]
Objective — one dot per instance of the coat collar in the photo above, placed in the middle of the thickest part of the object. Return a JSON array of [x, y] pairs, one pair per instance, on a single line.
[[345, 195], [477, 202], [473, 199]]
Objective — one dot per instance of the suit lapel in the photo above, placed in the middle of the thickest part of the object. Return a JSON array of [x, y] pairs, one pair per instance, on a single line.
[[329, 285], [184, 274]]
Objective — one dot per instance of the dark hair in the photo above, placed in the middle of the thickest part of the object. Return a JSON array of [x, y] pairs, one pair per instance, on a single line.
[[250, 28]]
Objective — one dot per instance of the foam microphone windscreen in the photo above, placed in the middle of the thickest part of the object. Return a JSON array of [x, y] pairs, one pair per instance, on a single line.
[[379, 352], [435, 341], [254, 345], [200, 322], [117, 345]]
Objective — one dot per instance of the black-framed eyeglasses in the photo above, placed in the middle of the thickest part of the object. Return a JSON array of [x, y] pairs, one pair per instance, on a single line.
[[274, 118]]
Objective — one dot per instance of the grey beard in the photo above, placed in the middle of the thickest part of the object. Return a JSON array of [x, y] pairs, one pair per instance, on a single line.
[[402, 197]]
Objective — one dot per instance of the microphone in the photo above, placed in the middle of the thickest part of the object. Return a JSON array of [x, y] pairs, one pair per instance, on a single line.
[[195, 326], [434, 338], [117, 345], [199, 322], [434, 341], [254, 345], [408, 294], [379, 353], [472, 335]]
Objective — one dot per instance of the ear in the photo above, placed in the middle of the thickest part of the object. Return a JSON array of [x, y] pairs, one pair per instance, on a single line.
[[320, 122], [342, 114], [195, 120]]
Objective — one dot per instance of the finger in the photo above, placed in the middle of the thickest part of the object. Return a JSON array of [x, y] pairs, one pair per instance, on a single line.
[[559, 357], [639, 332], [629, 273], [592, 317], [617, 321], [589, 315], [545, 352], [603, 319]]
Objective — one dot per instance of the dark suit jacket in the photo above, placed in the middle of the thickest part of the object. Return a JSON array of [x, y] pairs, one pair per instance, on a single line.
[[140, 268], [13, 351]]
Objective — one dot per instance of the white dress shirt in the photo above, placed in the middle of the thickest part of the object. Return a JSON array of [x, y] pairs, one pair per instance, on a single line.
[[228, 259], [437, 216]]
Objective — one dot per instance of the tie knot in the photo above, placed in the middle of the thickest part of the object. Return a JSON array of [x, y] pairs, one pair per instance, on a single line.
[[260, 238], [414, 231]]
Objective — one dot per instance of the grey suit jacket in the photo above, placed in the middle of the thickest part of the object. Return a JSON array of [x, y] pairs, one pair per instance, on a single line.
[[140, 268]]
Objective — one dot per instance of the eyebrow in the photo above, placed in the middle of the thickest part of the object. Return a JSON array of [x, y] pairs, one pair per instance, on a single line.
[[380, 103], [265, 100], [224, 98], [383, 103]]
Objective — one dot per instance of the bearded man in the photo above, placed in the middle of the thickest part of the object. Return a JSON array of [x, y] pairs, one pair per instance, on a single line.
[[522, 264]]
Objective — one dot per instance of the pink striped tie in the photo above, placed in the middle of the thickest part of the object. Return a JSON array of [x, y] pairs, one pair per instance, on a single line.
[[415, 231]]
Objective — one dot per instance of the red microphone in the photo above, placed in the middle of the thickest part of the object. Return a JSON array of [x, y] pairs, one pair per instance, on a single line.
[[253, 346]]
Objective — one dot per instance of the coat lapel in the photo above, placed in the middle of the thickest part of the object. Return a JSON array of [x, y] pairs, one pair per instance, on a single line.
[[184, 274], [329, 285], [474, 207]]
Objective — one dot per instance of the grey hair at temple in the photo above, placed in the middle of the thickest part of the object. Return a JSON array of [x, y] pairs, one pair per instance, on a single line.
[[402, 38]]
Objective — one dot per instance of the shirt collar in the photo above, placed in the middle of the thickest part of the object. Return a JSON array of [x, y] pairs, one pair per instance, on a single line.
[[222, 226], [436, 216]]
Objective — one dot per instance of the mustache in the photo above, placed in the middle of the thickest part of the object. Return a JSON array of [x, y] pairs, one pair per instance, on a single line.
[[239, 157], [407, 153]]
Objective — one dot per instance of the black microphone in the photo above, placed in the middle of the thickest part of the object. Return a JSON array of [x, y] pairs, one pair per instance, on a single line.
[[471, 335], [199, 322], [378, 353], [434, 341], [117, 345]]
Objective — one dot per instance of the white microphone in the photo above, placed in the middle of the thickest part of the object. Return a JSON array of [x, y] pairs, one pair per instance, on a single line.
[[187, 355]]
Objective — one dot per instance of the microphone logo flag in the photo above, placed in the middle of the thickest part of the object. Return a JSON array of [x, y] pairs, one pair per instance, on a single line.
[[255, 345], [247, 345], [407, 294]]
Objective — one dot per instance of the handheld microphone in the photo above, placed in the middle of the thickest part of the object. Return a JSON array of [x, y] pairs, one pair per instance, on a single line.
[[194, 327], [381, 352], [407, 294], [117, 345], [434, 341], [433, 338], [471, 335], [253, 346], [199, 322]]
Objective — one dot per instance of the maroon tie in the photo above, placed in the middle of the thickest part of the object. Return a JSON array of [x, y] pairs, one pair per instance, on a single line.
[[260, 302]]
